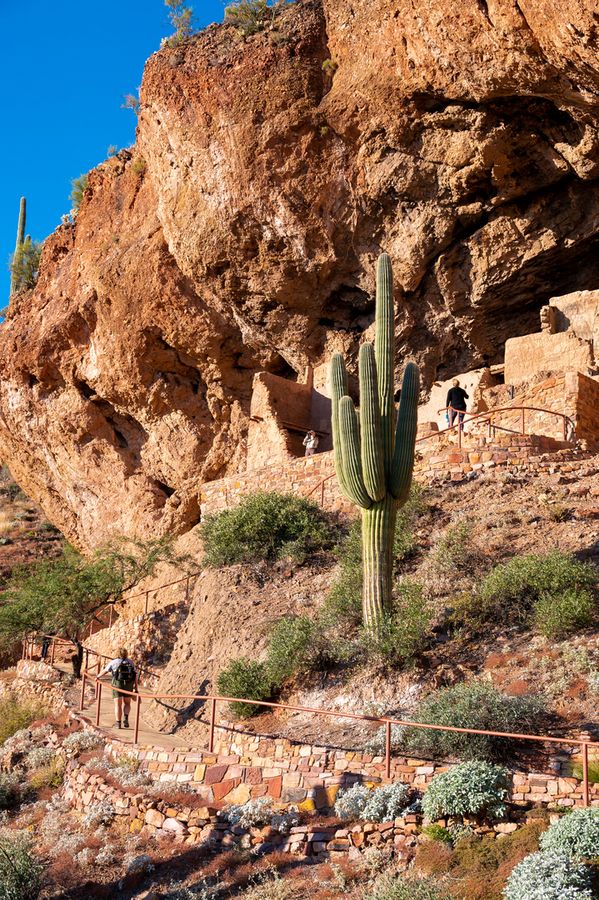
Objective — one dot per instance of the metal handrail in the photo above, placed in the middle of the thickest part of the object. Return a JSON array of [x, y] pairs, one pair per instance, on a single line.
[[387, 721]]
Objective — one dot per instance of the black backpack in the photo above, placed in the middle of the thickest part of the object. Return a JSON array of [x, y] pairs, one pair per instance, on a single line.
[[124, 676]]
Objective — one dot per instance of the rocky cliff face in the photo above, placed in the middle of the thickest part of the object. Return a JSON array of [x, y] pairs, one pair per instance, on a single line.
[[240, 235]]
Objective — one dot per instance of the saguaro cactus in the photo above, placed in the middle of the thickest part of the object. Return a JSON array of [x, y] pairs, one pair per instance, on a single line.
[[374, 458], [19, 243]]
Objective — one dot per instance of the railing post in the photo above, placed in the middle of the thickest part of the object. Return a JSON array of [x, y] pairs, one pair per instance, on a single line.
[[322, 493], [82, 701], [110, 617], [98, 702], [522, 414], [585, 775], [564, 430], [137, 711], [146, 603], [187, 589], [459, 431], [212, 725], [388, 749], [52, 651], [23, 645]]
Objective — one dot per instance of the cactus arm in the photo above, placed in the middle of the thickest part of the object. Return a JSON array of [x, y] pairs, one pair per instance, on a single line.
[[384, 351], [373, 462], [349, 434], [338, 390], [405, 438], [19, 244]]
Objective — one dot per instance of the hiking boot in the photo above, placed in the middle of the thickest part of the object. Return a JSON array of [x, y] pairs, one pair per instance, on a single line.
[[126, 722], [117, 724]]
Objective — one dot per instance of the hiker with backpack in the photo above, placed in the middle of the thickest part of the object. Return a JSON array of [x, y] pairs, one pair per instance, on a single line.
[[123, 674]]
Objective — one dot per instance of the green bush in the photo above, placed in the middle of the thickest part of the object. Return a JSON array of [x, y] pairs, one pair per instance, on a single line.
[[181, 18], [379, 804], [251, 16], [438, 833], [343, 605], [246, 679], [20, 870], [511, 591], [78, 189], [470, 789], [15, 715], [549, 875], [558, 615], [403, 632], [290, 648], [470, 705], [576, 833], [395, 887], [265, 526]]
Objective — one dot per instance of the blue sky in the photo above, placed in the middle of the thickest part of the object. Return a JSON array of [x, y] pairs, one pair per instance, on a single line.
[[64, 69]]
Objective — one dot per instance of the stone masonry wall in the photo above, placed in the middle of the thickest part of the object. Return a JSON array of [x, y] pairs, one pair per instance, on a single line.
[[248, 766], [436, 459]]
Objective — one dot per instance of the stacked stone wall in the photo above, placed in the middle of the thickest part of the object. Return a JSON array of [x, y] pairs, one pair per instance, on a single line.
[[249, 767], [436, 459]]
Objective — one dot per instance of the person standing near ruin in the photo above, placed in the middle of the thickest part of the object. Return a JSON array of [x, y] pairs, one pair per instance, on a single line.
[[310, 442], [456, 403]]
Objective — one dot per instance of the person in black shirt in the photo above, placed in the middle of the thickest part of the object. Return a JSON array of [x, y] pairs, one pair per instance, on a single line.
[[456, 403]]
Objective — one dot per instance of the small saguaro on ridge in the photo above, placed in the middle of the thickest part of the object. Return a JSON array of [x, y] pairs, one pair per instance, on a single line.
[[374, 458]]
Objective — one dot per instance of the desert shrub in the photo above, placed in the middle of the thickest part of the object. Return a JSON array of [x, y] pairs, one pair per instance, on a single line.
[[15, 715], [577, 834], [556, 616], [25, 264], [470, 705], [39, 757], [433, 858], [247, 679], [438, 833], [50, 775], [259, 812], [181, 18], [470, 789], [82, 742], [395, 887], [548, 875], [20, 870], [100, 813], [78, 189], [343, 605], [139, 165], [265, 526], [511, 591], [403, 632], [252, 16], [382, 804], [10, 790], [293, 646]]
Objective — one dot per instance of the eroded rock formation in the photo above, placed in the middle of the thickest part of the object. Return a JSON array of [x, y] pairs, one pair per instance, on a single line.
[[240, 234]]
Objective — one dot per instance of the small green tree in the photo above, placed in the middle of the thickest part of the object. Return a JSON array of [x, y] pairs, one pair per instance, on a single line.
[[78, 188], [24, 266], [181, 18], [61, 596]]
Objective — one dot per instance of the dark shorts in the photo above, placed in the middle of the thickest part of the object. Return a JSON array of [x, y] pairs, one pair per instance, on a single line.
[[119, 693]]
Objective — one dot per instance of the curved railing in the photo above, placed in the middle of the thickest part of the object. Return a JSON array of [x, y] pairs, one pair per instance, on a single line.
[[457, 427], [214, 699]]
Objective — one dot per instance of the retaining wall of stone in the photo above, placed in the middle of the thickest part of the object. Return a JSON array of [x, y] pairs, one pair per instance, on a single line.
[[246, 767]]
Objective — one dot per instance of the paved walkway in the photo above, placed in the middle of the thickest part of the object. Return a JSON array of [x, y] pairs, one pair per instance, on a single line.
[[147, 734]]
